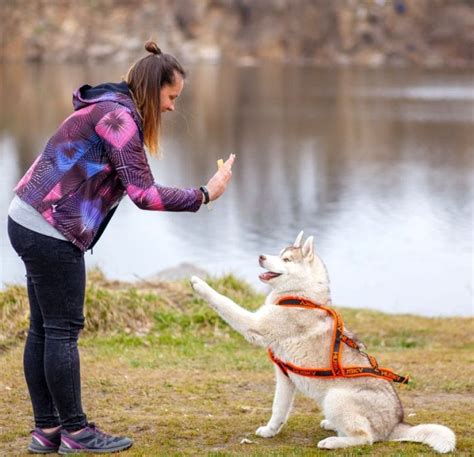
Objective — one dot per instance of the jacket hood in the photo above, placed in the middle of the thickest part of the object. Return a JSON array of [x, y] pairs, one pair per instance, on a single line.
[[113, 92]]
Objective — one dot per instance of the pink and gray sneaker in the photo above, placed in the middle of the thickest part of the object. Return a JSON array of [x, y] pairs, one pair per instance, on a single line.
[[91, 439], [44, 443]]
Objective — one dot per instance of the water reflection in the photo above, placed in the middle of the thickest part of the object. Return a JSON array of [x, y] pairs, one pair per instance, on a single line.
[[367, 161]]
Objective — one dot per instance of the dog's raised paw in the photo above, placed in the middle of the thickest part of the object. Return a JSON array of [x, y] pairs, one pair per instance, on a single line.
[[265, 432], [198, 285], [195, 280]]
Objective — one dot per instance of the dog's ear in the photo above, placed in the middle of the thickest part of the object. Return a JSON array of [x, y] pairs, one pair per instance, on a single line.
[[308, 248], [297, 243]]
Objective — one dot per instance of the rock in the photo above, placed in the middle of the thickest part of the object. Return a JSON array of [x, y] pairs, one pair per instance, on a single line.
[[325, 32], [210, 53], [99, 51], [247, 61], [181, 271]]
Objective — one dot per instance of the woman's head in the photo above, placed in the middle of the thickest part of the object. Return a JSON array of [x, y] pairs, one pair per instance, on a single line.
[[155, 81]]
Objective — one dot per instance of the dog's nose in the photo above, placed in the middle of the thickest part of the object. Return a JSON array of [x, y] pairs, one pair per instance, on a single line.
[[262, 258]]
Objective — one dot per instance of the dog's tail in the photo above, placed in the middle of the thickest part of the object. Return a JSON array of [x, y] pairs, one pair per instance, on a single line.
[[439, 437]]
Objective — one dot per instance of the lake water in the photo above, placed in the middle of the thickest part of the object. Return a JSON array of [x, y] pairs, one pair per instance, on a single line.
[[376, 164]]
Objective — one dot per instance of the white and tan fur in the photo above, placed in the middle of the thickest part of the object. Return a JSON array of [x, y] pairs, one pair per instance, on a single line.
[[360, 410]]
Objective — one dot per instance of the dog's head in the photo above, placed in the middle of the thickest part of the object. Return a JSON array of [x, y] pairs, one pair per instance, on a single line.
[[296, 267]]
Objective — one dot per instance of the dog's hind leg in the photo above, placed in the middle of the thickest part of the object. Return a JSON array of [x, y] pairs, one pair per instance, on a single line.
[[245, 322], [353, 428], [282, 403], [338, 442], [356, 434]]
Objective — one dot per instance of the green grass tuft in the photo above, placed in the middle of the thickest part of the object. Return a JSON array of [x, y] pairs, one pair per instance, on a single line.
[[160, 365]]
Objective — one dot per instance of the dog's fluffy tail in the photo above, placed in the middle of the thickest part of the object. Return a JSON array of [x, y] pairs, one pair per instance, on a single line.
[[439, 437]]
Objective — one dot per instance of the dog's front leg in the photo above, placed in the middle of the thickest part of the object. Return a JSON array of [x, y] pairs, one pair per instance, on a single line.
[[245, 322], [284, 395]]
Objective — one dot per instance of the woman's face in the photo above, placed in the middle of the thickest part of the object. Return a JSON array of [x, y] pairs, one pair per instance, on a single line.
[[169, 93]]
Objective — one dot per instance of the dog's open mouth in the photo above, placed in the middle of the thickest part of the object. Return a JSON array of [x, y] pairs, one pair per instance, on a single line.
[[268, 275]]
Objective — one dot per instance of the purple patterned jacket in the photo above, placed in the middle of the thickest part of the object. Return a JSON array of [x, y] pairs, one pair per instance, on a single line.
[[96, 156]]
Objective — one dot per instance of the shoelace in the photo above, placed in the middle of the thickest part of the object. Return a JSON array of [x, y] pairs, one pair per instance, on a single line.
[[97, 430]]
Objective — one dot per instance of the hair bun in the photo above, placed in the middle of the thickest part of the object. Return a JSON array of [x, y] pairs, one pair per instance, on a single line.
[[152, 47]]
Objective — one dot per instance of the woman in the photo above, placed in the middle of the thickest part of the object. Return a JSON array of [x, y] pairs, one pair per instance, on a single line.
[[61, 208]]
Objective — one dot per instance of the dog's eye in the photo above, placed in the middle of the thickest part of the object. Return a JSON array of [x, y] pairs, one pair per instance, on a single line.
[[286, 259]]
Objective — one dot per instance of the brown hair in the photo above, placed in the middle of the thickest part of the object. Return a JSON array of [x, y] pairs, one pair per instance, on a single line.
[[145, 78]]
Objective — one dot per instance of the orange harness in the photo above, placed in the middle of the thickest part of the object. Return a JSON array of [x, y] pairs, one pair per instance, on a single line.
[[336, 370]]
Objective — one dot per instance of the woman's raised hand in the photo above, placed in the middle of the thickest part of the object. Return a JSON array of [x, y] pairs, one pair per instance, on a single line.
[[218, 183]]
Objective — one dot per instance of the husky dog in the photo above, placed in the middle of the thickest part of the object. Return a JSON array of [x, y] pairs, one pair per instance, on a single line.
[[361, 410]]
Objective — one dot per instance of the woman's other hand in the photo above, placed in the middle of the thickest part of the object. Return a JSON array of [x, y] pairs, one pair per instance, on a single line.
[[218, 183]]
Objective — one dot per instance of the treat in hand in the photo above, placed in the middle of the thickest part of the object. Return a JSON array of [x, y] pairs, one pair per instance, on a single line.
[[218, 183]]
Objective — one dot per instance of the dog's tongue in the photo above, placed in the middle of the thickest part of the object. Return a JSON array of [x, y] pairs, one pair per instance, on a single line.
[[268, 275]]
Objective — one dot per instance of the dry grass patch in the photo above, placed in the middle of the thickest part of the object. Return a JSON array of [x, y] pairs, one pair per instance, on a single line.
[[160, 366]]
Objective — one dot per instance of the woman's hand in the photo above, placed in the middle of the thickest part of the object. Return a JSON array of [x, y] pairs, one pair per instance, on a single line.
[[218, 183]]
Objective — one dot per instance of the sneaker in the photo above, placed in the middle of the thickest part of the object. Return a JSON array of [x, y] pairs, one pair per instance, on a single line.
[[91, 439], [44, 443]]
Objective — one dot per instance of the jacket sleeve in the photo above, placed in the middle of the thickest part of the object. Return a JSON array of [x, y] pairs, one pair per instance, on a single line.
[[124, 148]]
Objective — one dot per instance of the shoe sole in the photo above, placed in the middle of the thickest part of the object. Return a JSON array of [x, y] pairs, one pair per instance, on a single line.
[[63, 451], [33, 450]]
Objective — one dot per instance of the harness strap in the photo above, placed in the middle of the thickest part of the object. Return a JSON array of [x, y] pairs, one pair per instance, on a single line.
[[311, 372], [336, 370]]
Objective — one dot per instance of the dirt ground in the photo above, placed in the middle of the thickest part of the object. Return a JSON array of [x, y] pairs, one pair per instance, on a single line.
[[163, 369]]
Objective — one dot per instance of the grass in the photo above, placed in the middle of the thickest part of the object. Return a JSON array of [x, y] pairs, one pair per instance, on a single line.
[[160, 366]]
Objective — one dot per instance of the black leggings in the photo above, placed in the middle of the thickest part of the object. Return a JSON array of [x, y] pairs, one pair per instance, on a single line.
[[55, 273]]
